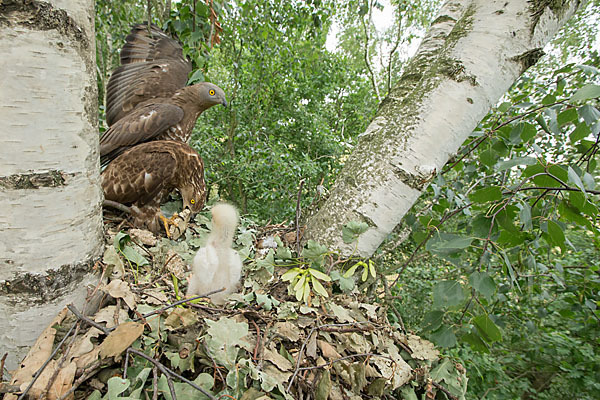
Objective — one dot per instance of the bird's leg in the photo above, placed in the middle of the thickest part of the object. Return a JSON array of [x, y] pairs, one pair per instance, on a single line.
[[166, 222], [177, 224]]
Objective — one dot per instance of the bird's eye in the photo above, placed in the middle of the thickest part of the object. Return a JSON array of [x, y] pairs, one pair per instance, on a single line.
[[193, 201], [211, 92]]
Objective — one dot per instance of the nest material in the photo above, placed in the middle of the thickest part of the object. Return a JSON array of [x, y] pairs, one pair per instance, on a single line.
[[262, 344]]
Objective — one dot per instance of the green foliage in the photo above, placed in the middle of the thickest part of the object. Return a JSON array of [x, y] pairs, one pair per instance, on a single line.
[[352, 230], [511, 225], [302, 280], [368, 269], [294, 107], [123, 245]]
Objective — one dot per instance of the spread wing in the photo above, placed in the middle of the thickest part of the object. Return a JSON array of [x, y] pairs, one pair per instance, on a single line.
[[141, 45], [153, 66], [140, 175], [139, 126]]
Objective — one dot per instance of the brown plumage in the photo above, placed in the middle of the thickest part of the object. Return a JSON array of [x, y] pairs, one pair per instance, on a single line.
[[144, 175], [146, 96]]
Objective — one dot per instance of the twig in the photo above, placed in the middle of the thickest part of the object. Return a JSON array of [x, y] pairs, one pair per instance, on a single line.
[[213, 309], [125, 364], [149, 11], [345, 358], [567, 188], [297, 369], [158, 365], [215, 366], [169, 260], [166, 371], [160, 310], [298, 216], [140, 317], [154, 383], [263, 344], [41, 369], [399, 316], [340, 260], [347, 329], [87, 320], [429, 235], [443, 389], [62, 361], [366, 51], [257, 340], [467, 306], [391, 55], [89, 372], [496, 128]]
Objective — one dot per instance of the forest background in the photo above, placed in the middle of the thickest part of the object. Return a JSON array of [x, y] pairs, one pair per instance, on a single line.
[[304, 78]]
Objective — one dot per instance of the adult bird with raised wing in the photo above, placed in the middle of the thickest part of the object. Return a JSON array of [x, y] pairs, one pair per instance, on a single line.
[[146, 96]]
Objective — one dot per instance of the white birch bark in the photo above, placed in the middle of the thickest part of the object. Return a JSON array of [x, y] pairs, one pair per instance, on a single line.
[[472, 53], [50, 197]]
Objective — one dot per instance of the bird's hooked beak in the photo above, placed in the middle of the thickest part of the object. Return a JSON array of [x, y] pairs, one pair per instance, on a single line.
[[224, 103], [191, 214]]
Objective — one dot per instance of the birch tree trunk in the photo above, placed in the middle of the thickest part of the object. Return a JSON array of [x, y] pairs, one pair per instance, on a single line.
[[50, 198], [473, 52]]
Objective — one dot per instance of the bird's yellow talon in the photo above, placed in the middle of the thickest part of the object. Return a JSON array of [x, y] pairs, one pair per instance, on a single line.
[[167, 222]]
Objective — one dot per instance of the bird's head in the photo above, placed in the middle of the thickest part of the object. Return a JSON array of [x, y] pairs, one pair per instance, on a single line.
[[209, 94], [193, 197]]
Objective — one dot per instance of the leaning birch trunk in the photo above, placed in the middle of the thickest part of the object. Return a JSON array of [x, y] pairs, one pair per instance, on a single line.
[[473, 52], [50, 198]]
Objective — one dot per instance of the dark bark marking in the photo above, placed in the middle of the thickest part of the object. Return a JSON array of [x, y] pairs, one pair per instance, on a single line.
[[39, 15], [33, 180], [44, 288], [528, 58]]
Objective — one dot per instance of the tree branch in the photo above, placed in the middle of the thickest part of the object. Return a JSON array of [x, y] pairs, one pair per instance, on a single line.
[[366, 51]]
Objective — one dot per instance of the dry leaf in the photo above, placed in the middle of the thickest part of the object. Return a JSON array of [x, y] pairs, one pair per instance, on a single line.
[[276, 373], [83, 344], [107, 314], [371, 310], [328, 350], [111, 257], [181, 317], [311, 347], [63, 382], [143, 236], [422, 349], [119, 289], [357, 342], [336, 393], [397, 372], [175, 264], [320, 361], [248, 343], [88, 358], [155, 296], [120, 339], [38, 354], [288, 330], [280, 361], [341, 313]]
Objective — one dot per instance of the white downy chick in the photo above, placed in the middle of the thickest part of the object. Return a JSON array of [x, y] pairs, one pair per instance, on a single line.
[[217, 264]]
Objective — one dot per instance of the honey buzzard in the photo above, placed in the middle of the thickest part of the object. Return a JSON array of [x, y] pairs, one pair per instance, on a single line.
[[146, 96], [143, 176]]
